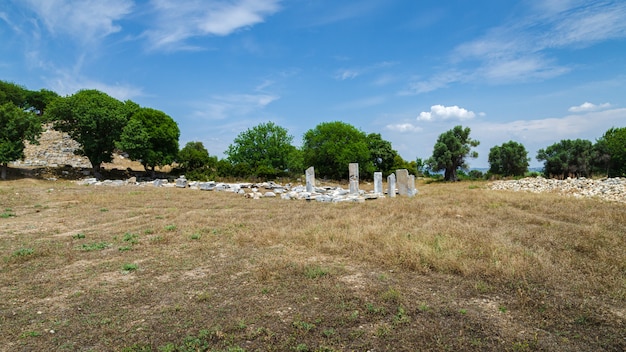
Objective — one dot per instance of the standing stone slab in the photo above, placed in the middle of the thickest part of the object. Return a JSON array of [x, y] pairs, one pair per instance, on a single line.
[[411, 185], [378, 182], [402, 177], [354, 178], [391, 185], [310, 179]]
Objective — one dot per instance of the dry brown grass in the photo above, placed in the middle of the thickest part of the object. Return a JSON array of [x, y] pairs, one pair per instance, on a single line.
[[458, 267]]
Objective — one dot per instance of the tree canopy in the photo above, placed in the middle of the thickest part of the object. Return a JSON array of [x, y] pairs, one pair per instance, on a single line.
[[150, 137], [264, 150], [194, 160], [382, 155], [509, 159], [93, 119], [611, 149], [567, 158], [16, 126], [331, 146], [451, 150]]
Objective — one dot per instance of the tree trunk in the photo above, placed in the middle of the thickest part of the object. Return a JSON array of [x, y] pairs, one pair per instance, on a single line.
[[97, 172], [450, 175], [3, 171]]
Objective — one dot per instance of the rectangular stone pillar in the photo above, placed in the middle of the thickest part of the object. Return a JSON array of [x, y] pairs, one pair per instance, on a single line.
[[310, 179], [402, 177], [378, 182], [391, 185], [412, 189], [353, 169]]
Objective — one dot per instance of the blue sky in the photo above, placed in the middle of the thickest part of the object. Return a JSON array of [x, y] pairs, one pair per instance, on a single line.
[[534, 72]]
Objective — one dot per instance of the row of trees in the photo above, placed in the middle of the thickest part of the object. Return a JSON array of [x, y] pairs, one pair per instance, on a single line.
[[102, 124]]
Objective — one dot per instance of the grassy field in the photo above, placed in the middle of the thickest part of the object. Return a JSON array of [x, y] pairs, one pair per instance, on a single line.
[[459, 267]]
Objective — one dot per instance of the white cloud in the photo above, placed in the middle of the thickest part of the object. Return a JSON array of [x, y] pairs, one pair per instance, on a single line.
[[178, 21], [440, 112], [345, 74], [67, 84], [403, 128], [85, 19], [587, 106]]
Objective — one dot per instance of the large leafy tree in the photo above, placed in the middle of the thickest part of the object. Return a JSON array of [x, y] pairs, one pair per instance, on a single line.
[[509, 159], [13, 93], [568, 158], [16, 126], [611, 151], [194, 160], [331, 146], [383, 156], [151, 137], [451, 150], [264, 150], [93, 119]]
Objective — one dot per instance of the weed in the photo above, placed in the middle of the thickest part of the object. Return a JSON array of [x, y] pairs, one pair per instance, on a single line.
[[22, 252], [372, 309], [104, 210], [128, 267], [302, 347], [502, 309], [401, 317], [423, 307], [96, 246], [170, 227], [392, 295], [78, 236], [195, 236], [125, 248], [6, 215], [30, 334], [131, 238], [463, 311], [148, 231], [303, 325], [328, 333]]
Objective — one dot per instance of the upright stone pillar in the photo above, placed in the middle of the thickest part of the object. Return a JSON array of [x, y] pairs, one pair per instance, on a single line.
[[412, 189], [310, 179], [378, 182], [402, 176], [391, 185], [354, 178]]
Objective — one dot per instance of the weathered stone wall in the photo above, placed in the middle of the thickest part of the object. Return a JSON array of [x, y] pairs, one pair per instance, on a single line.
[[54, 149]]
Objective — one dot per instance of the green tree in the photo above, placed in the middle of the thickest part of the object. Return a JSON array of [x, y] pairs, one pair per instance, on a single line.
[[381, 153], [331, 146], [93, 119], [611, 151], [509, 159], [450, 151], [13, 93], [567, 158], [16, 126], [38, 100], [264, 150], [196, 162], [151, 137]]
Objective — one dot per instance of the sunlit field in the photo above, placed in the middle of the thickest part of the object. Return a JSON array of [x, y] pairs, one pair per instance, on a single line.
[[458, 267]]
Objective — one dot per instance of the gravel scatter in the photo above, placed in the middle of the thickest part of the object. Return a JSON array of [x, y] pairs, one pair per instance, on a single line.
[[610, 189]]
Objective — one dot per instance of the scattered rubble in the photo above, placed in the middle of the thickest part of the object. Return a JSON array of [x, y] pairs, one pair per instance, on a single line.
[[611, 189]]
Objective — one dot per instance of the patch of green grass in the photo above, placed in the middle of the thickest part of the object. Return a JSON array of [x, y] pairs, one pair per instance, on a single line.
[[125, 248], [30, 334], [372, 309], [463, 311], [392, 295], [195, 236], [128, 267], [314, 272], [148, 231], [303, 325], [401, 317], [170, 227], [328, 332], [502, 309], [22, 252], [78, 236], [423, 307], [104, 210], [96, 246], [8, 213]]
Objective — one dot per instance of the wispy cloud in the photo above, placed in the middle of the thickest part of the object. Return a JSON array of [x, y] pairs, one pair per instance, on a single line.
[[220, 107], [587, 106], [85, 20], [521, 50], [343, 74], [67, 84], [440, 112], [178, 21]]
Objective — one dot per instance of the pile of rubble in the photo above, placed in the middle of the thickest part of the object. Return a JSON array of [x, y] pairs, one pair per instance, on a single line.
[[250, 190], [611, 189]]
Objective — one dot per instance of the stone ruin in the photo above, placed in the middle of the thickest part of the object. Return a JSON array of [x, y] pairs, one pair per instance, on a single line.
[[309, 192]]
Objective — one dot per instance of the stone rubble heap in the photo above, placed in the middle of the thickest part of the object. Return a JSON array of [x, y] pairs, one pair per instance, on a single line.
[[55, 149], [611, 189], [271, 189]]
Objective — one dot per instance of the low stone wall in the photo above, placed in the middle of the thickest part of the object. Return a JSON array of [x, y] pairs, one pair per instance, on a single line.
[[611, 189]]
